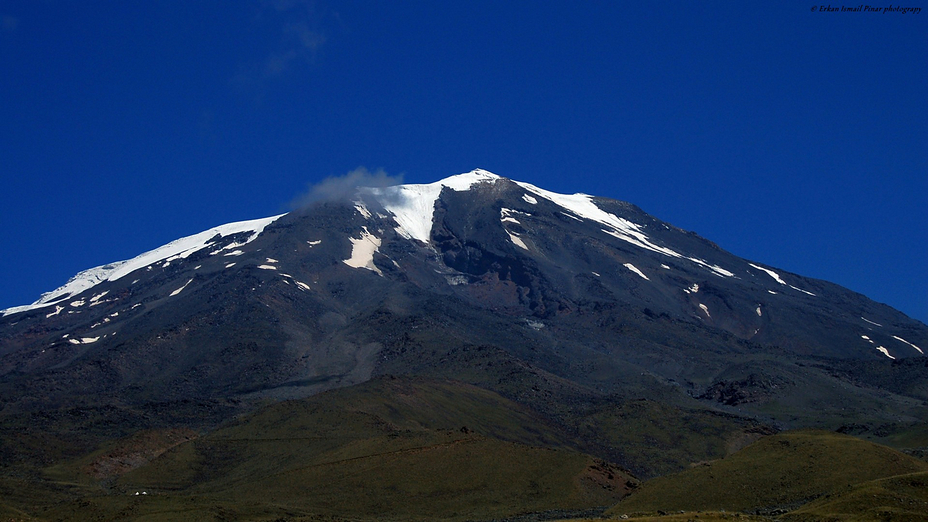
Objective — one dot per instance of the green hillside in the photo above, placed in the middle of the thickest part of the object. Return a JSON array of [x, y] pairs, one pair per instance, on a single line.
[[426, 448], [390, 448], [903, 497], [779, 472]]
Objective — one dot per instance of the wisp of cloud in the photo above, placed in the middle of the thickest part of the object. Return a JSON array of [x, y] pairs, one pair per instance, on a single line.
[[344, 187]]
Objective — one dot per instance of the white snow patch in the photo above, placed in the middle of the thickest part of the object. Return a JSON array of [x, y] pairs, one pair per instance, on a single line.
[[634, 269], [516, 240], [867, 339], [314, 243], [362, 251], [77, 303], [871, 322], [665, 267], [230, 265], [230, 247], [693, 289], [771, 273], [179, 290], [529, 199], [197, 267], [505, 215], [182, 247], [57, 311], [801, 290], [896, 337], [184, 255], [267, 267], [413, 206], [302, 285], [534, 324], [780, 280], [272, 260], [594, 273], [97, 297], [641, 240], [359, 206], [84, 340], [758, 312], [885, 352], [233, 253], [583, 206], [705, 309], [715, 268], [772, 292]]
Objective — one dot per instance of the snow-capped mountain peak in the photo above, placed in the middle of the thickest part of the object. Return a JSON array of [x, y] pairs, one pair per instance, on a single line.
[[413, 206], [495, 241]]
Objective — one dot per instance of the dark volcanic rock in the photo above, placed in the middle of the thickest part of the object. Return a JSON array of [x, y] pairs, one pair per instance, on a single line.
[[754, 388]]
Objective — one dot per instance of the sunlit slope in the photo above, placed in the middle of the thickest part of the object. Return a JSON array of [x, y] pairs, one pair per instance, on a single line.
[[777, 472], [903, 497]]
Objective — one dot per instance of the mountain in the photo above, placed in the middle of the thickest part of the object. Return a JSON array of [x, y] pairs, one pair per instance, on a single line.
[[622, 337]]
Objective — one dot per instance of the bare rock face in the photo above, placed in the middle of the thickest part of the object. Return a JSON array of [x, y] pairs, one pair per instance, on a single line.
[[754, 388]]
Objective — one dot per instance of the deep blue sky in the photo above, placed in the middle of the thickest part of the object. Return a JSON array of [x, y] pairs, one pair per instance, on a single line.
[[795, 138]]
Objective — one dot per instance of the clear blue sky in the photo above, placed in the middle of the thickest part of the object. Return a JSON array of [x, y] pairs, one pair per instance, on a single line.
[[791, 137]]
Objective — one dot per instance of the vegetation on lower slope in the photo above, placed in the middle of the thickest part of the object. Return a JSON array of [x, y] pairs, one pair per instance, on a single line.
[[902, 497], [387, 449], [392, 447], [416, 448], [780, 472], [654, 439], [662, 434], [910, 438]]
